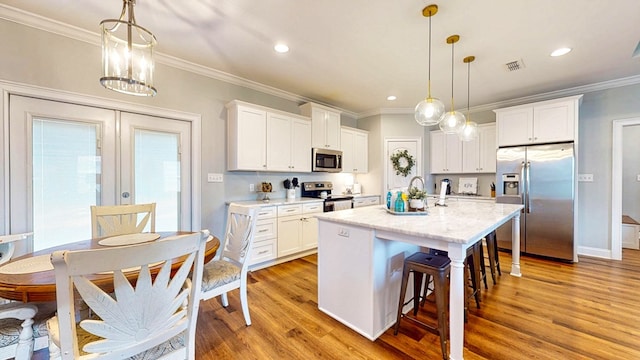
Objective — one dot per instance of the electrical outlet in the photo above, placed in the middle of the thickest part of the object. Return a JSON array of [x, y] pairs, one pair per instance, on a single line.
[[214, 178], [343, 232], [252, 187], [585, 177]]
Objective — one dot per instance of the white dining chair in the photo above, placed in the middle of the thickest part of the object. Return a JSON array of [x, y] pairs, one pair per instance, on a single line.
[[22, 325], [156, 319], [229, 271], [122, 219]]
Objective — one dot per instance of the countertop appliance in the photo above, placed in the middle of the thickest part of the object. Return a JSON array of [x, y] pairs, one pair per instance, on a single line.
[[322, 190], [541, 177], [325, 160], [448, 182]]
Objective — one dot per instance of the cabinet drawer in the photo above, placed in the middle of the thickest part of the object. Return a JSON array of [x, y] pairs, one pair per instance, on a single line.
[[313, 208], [286, 210], [366, 201], [263, 251], [267, 212], [266, 229]]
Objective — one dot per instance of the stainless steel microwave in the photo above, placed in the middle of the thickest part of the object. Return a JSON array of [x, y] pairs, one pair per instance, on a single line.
[[326, 160]]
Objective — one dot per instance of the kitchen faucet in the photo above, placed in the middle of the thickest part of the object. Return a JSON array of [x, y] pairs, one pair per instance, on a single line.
[[413, 179]]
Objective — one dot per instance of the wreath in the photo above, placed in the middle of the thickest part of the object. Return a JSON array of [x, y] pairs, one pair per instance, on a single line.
[[398, 164]]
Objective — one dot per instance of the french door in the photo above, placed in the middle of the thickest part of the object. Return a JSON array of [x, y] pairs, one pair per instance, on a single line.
[[63, 158]]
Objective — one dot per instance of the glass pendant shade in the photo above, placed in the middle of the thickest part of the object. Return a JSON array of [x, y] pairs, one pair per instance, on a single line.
[[127, 54], [469, 131], [429, 112], [453, 122]]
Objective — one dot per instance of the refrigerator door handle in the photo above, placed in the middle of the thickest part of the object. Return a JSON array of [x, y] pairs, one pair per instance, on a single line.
[[528, 187], [522, 187]]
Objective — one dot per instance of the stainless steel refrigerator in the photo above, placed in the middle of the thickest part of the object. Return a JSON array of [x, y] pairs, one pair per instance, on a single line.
[[541, 177]]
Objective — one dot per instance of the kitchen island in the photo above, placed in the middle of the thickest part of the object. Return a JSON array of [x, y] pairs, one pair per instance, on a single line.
[[361, 254]]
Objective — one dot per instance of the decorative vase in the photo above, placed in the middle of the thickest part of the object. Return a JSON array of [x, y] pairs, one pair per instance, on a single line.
[[291, 194], [416, 205]]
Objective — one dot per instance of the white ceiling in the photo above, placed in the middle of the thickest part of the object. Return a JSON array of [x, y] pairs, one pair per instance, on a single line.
[[352, 54]]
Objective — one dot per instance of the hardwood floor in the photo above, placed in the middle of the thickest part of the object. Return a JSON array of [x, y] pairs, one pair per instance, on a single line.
[[587, 310]]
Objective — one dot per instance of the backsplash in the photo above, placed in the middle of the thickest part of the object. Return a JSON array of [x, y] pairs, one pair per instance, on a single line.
[[484, 182]]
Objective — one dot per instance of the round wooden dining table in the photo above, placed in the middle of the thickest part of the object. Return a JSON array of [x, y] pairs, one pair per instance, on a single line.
[[41, 285]]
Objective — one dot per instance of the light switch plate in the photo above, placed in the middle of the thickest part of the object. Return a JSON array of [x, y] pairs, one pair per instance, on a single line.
[[585, 177], [211, 177]]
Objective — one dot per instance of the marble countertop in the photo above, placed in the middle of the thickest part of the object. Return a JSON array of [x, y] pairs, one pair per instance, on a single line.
[[274, 202], [459, 222], [464, 197]]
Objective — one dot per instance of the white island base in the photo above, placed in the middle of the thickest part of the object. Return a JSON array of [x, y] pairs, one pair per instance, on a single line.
[[354, 265], [361, 254]]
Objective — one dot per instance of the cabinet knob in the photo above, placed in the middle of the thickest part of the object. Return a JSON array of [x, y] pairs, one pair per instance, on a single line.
[[529, 139]]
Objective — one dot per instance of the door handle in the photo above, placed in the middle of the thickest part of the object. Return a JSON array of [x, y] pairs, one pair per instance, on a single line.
[[521, 187], [125, 195], [528, 187]]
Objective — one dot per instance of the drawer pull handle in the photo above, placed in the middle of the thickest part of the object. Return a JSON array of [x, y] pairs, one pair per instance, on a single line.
[[263, 230], [263, 252]]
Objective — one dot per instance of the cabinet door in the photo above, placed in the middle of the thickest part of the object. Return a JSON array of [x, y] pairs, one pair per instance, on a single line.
[[278, 142], [347, 141], [437, 152], [361, 152], [247, 139], [453, 153], [332, 130], [318, 128], [471, 155], [553, 122], [289, 235], [487, 148], [301, 145], [514, 127], [309, 233]]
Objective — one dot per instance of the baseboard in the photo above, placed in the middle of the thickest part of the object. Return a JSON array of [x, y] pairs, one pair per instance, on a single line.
[[594, 252]]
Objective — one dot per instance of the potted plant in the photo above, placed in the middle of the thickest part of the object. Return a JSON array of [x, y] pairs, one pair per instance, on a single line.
[[416, 199]]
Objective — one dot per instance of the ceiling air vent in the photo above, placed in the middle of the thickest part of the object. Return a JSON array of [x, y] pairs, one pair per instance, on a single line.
[[514, 65]]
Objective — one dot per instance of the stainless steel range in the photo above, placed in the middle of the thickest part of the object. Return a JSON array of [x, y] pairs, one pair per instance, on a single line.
[[322, 190]]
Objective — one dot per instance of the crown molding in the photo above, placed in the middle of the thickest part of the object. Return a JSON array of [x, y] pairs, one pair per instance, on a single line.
[[39, 22]]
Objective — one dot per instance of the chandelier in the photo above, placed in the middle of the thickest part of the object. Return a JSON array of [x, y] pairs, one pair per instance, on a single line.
[[127, 54]]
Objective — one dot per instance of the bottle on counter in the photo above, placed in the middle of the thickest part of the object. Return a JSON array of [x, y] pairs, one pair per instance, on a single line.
[[399, 205], [389, 200]]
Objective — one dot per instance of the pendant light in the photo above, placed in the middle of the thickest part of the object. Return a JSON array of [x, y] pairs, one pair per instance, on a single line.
[[470, 130], [127, 54], [430, 110], [453, 121]]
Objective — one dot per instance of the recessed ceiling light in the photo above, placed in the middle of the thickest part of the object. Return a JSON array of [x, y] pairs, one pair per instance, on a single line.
[[391, 97], [281, 48], [561, 51]]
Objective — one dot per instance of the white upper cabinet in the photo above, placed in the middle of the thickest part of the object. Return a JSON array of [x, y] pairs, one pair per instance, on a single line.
[[263, 139], [288, 143], [446, 153], [325, 125], [543, 122], [355, 150], [479, 155], [246, 137]]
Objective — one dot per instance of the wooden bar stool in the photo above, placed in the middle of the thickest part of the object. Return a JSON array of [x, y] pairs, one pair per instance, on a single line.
[[438, 267]]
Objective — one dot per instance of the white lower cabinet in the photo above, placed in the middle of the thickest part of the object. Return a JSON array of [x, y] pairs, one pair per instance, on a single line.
[[297, 228], [265, 241]]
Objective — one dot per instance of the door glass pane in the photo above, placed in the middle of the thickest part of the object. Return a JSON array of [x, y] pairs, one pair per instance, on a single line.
[[157, 175], [65, 181]]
